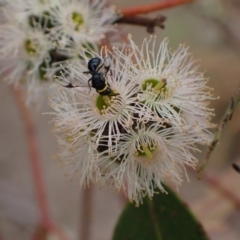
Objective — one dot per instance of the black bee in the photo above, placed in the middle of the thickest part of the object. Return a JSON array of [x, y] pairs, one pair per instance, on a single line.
[[98, 79], [236, 167]]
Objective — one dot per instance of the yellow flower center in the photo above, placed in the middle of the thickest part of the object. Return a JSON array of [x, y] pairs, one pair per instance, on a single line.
[[146, 151], [30, 47], [157, 86], [69, 138], [104, 102], [78, 20]]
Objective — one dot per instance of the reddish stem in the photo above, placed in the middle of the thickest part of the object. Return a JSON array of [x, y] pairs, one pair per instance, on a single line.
[[123, 198], [42, 232], [152, 7], [34, 157], [58, 231], [86, 213], [1, 237], [224, 190], [46, 223]]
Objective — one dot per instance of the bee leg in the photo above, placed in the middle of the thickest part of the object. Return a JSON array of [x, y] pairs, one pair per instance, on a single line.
[[107, 67], [102, 65], [111, 73], [89, 84], [70, 85]]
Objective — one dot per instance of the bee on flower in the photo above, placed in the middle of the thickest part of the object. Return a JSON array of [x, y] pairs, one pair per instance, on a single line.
[[145, 130], [104, 114]]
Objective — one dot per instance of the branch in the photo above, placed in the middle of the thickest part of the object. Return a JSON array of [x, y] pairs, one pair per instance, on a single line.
[[150, 23], [152, 7], [225, 119], [46, 224], [216, 184], [34, 156], [86, 213], [221, 188]]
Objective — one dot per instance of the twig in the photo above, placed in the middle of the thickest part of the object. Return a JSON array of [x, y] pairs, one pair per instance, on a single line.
[[46, 223], [216, 184], [34, 157], [86, 213], [1, 237], [58, 231], [224, 190], [41, 233], [150, 23], [147, 8], [226, 118], [123, 198]]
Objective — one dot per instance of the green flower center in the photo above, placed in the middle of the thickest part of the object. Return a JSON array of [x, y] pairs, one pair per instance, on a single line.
[[78, 20], [146, 151], [103, 102], [69, 138], [31, 47], [157, 86]]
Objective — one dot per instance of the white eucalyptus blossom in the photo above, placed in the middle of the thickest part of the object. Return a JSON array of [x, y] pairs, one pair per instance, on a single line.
[[37, 36], [145, 130], [18, 11], [37, 7], [23, 50], [97, 113], [70, 152], [82, 20], [171, 84], [78, 25], [147, 156]]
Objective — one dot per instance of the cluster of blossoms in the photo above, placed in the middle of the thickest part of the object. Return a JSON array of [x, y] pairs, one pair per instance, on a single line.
[[36, 36], [140, 133], [144, 132]]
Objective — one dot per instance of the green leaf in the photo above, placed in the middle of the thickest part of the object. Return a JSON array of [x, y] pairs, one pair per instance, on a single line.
[[165, 217]]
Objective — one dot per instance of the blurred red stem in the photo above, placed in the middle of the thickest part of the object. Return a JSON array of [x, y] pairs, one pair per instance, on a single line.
[[86, 213], [123, 198], [152, 7], [1, 237], [219, 186], [34, 157], [58, 231], [35, 162]]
